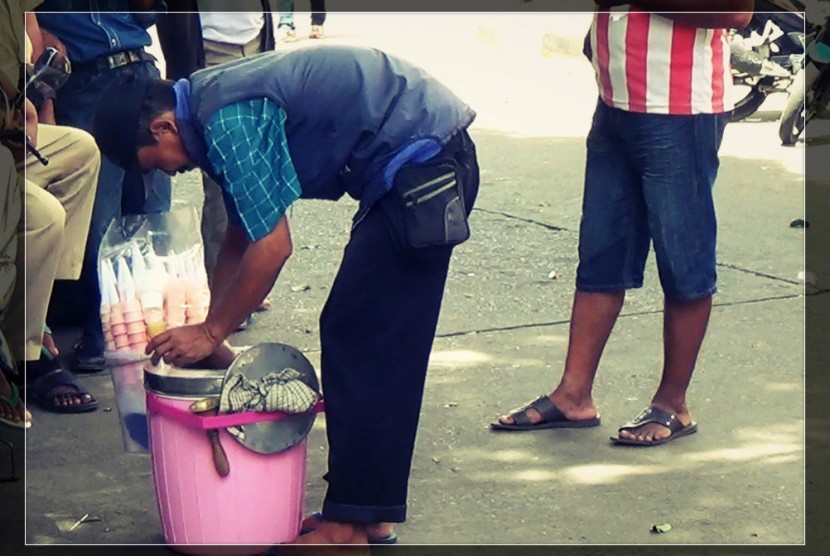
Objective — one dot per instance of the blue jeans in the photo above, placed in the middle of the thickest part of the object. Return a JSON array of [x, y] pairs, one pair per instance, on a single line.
[[118, 193], [649, 178]]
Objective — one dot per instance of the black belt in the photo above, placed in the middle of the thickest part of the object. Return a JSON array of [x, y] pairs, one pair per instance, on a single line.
[[117, 60]]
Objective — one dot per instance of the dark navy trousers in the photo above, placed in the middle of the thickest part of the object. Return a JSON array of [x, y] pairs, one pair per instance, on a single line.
[[376, 333]]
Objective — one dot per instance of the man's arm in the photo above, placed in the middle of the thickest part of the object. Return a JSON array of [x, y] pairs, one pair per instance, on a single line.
[[35, 35], [255, 276], [718, 14]]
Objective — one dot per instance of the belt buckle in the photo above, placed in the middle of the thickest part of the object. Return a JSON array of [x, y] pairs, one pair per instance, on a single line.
[[117, 60]]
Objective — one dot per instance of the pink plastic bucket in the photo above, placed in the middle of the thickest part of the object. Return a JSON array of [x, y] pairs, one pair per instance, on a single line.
[[259, 503]]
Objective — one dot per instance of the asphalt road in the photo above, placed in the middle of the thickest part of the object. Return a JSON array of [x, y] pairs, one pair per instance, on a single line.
[[503, 331]]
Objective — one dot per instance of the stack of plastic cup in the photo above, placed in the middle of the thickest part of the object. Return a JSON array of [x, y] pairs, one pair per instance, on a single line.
[[109, 303], [118, 326], [175, 304], [133, 317], [154, 282], [198, 292]]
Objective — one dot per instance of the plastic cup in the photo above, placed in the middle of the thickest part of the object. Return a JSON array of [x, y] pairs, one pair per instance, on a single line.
[[176, 317], [133, 316], [116, 314], [136, 327], [109, 345], [131, 305], [119, 329], [121, 341]]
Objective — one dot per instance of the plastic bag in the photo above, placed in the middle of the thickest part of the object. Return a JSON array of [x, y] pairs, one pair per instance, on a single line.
[[152, 276]]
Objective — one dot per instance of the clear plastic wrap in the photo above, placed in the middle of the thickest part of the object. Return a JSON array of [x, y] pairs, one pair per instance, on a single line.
[[152, 277]]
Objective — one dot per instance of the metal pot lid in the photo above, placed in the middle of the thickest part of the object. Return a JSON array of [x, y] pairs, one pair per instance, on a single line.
[[275, 436], [167, 380]]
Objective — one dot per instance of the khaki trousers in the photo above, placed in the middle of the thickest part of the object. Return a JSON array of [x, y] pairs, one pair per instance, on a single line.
[[214, 216], [58, 208], [11, 209]]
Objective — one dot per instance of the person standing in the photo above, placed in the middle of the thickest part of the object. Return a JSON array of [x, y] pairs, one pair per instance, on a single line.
[[651, 164], [263, 126], [286, 30], [103, 42]]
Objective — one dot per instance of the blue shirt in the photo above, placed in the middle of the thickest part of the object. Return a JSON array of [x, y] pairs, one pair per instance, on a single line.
[[88, 36], [248, 150]]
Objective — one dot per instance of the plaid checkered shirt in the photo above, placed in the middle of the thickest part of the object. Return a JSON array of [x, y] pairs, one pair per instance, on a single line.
[[248, 149]]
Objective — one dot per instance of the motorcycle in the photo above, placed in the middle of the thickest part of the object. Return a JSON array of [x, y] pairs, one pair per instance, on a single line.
[[810, 93], [767, 54]]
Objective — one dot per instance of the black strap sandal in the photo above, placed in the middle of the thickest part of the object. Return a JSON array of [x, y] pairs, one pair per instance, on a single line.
[[40, 392], [552, 418], [655, 415]]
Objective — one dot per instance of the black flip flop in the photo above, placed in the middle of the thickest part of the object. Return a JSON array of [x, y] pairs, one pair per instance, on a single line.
[[552, 418], [391, 538], [655, 415], [39, 388]]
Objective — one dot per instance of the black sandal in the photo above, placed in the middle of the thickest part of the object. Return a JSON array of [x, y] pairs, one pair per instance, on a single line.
[[655, 415], [40, 388], [552, 418]]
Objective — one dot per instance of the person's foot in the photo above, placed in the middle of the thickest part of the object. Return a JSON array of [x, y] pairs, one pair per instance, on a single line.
[[651, 432], [286, 34], [249, 320], [316, 32], [574, 409], [49, 342], [264, 306], [376, 533], [12, 409], [55, 389], [334, 532]]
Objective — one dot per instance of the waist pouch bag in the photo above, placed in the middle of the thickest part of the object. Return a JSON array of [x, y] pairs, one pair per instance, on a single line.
[[434, 211]]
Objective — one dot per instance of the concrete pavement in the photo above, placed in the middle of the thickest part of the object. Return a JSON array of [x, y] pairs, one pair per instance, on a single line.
[[503, 331]]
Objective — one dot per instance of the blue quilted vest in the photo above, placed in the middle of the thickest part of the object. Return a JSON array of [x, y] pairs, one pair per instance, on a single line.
[[349, 111]]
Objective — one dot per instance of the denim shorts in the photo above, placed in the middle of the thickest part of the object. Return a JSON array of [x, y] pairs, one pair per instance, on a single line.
[[649, 178]]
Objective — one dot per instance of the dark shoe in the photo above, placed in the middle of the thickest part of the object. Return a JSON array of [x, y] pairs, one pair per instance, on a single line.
[[655, 415], [552, 418], [86, 360]]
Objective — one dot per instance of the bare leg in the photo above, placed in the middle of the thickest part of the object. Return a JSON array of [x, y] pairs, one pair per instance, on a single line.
[[684, 326], [592, 318]]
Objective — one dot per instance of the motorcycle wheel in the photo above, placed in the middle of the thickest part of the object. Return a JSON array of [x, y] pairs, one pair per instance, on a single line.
[[748, 105], [793, 119]]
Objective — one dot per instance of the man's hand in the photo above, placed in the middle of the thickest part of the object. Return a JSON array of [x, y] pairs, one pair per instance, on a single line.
[[183, 345], [50, 39]]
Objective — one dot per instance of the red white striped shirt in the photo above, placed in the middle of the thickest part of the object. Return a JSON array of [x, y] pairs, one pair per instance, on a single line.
[[647, 63]]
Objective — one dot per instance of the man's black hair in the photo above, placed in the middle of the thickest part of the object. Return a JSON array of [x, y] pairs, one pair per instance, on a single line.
[[159, 98]]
